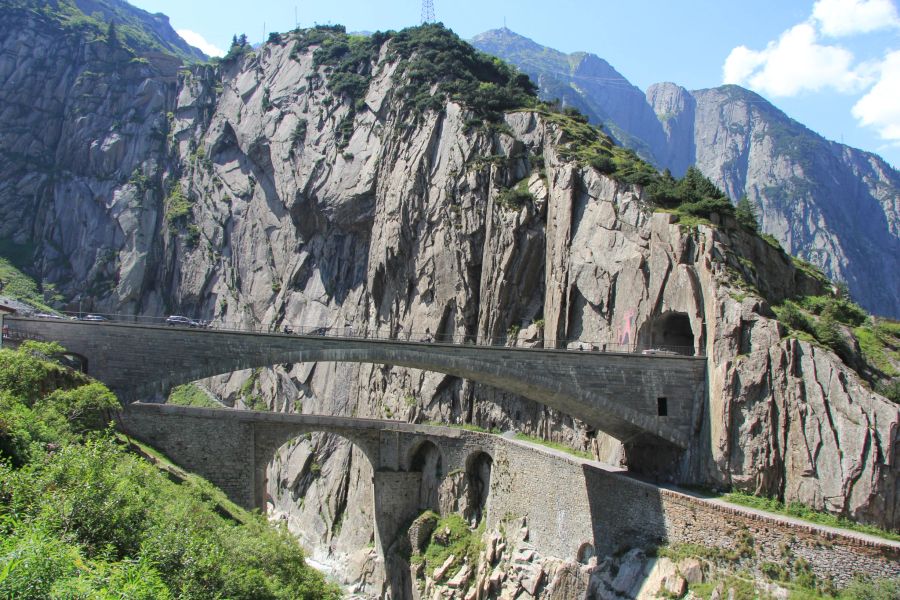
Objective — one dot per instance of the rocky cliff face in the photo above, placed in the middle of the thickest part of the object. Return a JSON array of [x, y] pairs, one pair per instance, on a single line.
[[255, 194], [836, 206], [83, 134], [586, 82]]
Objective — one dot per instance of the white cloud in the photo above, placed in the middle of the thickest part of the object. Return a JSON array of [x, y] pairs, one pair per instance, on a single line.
[[793, 63], [198, 41], [741, 64], [879, 108], [847, 17]]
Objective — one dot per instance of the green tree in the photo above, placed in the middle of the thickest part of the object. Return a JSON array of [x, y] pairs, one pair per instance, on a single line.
[[112, 36], [745, 213]]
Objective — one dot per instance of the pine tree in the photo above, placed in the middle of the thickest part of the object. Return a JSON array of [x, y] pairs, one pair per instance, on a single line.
[[112, 36], [745, 213]]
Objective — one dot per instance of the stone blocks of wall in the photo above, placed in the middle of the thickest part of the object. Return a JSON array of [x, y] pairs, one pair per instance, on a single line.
[[221, 451], [568, 501]]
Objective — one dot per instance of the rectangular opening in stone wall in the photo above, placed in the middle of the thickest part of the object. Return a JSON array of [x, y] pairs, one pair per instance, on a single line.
[[662, 406]]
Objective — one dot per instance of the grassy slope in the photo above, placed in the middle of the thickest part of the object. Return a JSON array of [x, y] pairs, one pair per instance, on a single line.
[[16, 284], [83, 516]]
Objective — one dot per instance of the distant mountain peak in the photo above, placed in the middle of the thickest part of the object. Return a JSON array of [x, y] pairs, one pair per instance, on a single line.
[[826, 202]]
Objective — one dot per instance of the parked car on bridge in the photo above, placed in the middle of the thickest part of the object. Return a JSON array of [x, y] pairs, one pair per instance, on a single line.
[[94, 318], [658, 352], [179, 321], [199, 323]]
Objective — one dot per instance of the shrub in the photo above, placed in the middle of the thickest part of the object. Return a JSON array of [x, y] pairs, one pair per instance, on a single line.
[[191, 395], [604, 164], [452, 536], [299, 134], [178, 206], [26, 374], [33, 560], [85, 408], [705, 207], [890, 390], [93, 521], [438, 66], [864, 589], [515, 197]]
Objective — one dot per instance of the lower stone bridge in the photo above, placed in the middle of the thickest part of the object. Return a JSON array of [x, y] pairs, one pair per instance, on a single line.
[[571, 507], [233, 448], [642, 400]]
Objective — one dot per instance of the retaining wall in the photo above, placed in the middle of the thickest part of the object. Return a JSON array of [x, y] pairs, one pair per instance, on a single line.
[[567, 502]]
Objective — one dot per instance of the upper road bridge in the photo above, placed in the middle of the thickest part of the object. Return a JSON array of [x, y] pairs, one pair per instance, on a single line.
[[636, 398]]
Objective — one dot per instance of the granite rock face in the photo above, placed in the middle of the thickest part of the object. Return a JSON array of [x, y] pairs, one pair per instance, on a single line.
[[401, 233], [83, 134], [836, 206], [833, 205], [226, 193]]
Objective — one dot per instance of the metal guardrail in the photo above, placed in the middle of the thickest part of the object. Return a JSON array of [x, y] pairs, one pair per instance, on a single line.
[[349, 332]]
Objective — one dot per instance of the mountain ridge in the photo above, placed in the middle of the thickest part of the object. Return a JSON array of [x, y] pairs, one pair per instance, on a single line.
[[831, 204]]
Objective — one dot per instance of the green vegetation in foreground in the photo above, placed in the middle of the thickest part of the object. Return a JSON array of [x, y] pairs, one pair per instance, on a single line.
[[554, 445], [82, 517], [792, 573], [451, 536], [191, 395], [801, 511]]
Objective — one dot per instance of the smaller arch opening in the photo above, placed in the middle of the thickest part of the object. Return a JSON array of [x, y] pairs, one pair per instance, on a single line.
[[74, 361], [478, 485], [585, 553], [427, 460]]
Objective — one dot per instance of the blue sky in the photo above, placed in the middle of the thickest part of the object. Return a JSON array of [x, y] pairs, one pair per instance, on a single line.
[[834, 65]]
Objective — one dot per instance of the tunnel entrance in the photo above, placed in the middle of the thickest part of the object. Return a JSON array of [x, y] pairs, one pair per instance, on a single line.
[[427, 460], [478, 485], [672, 332]]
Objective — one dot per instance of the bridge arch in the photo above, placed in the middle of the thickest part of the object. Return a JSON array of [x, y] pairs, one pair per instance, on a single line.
[[479, 465], [426, 458], [312, 459]]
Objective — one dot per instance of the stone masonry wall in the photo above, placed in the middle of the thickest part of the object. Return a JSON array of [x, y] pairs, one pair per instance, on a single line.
[[219, 450], [567, 502]]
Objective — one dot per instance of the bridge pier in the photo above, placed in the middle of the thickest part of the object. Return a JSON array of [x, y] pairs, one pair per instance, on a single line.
[[396, 505]]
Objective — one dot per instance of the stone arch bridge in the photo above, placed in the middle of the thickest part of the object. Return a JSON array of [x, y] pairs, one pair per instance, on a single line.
[[636, 398], [641, 400], [232, 448]]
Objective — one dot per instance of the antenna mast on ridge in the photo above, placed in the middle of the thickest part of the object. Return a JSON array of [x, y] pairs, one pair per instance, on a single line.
[[427, 11]]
